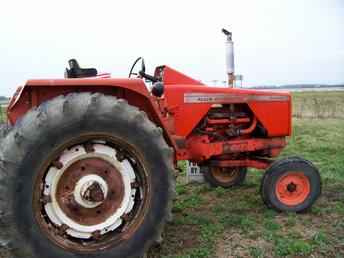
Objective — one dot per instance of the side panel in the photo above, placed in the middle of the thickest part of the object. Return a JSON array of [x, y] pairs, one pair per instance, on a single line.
[[276, 116], [190, 103], [186, 115]]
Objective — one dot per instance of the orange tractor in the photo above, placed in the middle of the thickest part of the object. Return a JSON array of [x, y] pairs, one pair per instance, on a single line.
[[88, 163]]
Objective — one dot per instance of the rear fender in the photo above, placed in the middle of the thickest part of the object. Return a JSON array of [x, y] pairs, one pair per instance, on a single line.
[[36, 92]]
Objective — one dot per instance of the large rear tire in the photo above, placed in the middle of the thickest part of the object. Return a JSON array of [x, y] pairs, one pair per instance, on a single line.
[[84, 175]]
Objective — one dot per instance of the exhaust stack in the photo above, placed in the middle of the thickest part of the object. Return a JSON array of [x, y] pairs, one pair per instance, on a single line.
[[229, 44]]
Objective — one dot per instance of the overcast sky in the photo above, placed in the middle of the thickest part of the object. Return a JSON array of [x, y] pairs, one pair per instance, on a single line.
[[276, 42]]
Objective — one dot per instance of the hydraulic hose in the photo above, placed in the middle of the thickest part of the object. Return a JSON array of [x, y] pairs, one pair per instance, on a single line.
[[249, 129]]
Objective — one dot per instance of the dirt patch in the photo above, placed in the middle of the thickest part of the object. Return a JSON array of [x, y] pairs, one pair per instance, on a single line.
[[235, 244], [4, 253], [179, 238]]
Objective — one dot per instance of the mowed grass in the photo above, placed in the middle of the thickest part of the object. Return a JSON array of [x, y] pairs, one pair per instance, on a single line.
[[321, 141], [222, 223]]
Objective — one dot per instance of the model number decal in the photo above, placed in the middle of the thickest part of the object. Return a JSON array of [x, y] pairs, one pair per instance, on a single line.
[[229, 98]]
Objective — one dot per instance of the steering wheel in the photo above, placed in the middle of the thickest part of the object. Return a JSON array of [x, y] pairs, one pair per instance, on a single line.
[[142, 72], [143, 67]]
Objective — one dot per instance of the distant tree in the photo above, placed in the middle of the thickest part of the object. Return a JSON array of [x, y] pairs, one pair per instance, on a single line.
[[3, 98]]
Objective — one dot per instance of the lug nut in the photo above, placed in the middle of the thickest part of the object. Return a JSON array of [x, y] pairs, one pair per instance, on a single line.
[[57, 164]]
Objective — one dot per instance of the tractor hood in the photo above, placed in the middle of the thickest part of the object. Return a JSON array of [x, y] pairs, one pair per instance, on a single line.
[[192, 99]]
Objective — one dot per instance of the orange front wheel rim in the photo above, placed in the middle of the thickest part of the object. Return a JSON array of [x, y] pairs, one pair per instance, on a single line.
[[293, 188]]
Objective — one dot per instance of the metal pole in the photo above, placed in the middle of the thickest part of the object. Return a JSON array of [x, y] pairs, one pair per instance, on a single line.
[[229, 44]]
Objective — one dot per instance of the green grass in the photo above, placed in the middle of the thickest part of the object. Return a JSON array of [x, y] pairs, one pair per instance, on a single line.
[[212, 222], [321, 141], [2, 114]]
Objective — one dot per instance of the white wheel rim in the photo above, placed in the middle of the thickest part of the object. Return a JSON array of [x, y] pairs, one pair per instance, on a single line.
[[77, 153]]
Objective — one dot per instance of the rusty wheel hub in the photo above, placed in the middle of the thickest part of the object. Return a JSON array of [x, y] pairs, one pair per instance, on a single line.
[[88, 192], [93, 193], [225, 175]]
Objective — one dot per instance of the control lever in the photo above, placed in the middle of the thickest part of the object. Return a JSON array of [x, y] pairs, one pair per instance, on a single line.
[[147, 76]]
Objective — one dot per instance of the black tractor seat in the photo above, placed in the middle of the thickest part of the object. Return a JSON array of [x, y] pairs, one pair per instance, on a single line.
[[75, 71]]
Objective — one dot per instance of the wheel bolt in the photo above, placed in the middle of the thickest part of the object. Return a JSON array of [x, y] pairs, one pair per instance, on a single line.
[[120, 157], [46, 199], [89, 147], [134, 185], [57, 164]]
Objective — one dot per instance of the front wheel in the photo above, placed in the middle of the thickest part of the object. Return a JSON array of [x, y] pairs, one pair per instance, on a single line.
[[79, 181], [291, 185]]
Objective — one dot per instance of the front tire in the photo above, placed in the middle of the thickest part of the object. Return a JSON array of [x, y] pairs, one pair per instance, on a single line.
[[291, 185], [66, 164]]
